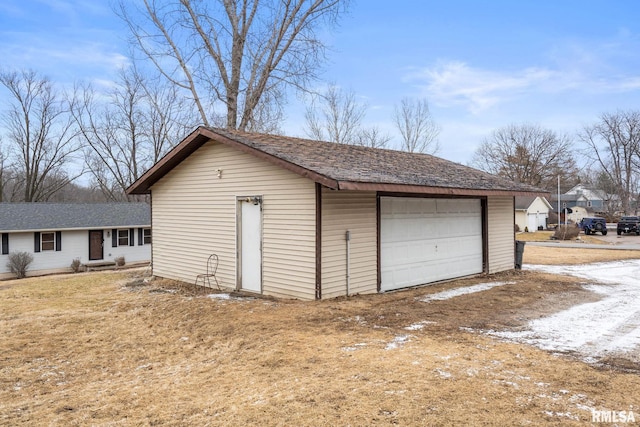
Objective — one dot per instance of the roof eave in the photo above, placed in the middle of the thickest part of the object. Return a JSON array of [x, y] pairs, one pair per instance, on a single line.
[[96, 227], [419, 189]]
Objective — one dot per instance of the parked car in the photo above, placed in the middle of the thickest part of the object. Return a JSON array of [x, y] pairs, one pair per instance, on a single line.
[[629, 224], [593, 225]]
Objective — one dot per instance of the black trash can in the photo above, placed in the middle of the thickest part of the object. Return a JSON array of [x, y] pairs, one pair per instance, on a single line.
[[519, 253]]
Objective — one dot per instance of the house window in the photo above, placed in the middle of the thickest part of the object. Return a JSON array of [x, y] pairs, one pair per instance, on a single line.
[[48, 241], [146, 236], [123, 237]]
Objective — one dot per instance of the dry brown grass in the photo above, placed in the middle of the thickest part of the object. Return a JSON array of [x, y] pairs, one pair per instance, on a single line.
[[107, 349], [556, 256], [545, 236]]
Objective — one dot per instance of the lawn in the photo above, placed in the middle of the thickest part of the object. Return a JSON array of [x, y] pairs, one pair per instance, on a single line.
[[545, 236], [109, 349]]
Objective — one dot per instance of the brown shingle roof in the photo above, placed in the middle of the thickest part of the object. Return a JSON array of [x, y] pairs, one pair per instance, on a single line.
[[342, 166]]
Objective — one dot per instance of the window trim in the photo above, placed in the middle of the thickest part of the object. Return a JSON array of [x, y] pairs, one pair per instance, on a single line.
[[146, 236], [51, 242], [121, 237]]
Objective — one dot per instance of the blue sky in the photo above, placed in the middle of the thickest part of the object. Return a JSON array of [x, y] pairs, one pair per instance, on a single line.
[[480, 64]]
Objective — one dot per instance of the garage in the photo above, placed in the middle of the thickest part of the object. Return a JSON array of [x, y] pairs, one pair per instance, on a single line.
[[425, 240], [335, 219]]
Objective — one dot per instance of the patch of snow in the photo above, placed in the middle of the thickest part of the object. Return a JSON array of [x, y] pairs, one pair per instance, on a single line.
[[451, 293], [354, 347], [443, 374], [397, 341], [591, 329], [419, 325], [219, 296], [562, 414]]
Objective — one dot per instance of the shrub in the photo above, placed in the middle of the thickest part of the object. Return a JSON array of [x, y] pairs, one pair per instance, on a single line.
[[517, 228], [119, 261], [75, 265], [566, 232], [18, 263]]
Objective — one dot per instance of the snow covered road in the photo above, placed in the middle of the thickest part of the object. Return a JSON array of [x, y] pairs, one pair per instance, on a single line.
[[610, 326]]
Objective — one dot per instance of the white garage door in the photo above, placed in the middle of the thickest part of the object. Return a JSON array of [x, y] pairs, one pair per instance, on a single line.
[[535, 220], [426, 240]]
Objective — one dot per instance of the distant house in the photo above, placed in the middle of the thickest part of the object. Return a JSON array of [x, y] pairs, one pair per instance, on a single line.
[[57, 233], [587, 197], [306, 219], [532, 212]]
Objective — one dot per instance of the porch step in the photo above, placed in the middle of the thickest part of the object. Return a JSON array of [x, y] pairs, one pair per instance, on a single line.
[[98, 266]]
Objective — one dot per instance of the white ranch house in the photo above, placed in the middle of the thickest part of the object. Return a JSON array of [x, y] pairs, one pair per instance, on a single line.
[[57, 233], [297, 218], [532, 212]]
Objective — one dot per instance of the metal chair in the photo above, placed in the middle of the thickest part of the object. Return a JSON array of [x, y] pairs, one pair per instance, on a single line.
[[212, 267]]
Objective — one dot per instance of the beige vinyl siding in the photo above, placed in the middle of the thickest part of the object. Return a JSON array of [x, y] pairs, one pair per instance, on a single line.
[[501, 233], [354, 211], [521, 219], [194, 215]]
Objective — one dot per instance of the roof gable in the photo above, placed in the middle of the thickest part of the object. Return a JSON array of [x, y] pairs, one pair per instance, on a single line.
[[344, 167], [588, 193], [65, 216], [523, 203]]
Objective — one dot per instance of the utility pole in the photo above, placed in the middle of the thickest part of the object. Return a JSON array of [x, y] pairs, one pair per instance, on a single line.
[[558, 199]]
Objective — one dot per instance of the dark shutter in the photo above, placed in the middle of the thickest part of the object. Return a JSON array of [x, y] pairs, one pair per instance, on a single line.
[[5, 243], [131, 235], [36, 241], [140, 237], [58, 241], [114, 238]]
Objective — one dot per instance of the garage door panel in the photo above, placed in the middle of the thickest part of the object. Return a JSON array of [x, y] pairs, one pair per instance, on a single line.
[[427, 240]]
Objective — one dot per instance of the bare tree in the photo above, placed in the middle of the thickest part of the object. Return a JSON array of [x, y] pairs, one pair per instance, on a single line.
[[4, 172], [373, 137], [166, 118], [336, 116], [129, 130], [41, 135], [613, 143], [240, 54], [528, 154], [416, 126]]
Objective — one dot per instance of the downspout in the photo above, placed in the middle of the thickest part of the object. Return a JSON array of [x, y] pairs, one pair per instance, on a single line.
[[347, 238]]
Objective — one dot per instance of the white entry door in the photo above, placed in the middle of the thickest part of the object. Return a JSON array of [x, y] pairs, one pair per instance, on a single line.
[[250, 240], [427, 240]]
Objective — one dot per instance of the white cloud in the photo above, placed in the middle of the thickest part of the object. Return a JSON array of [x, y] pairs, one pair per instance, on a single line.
[[456, 83], [63, 62], [571, 68]]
